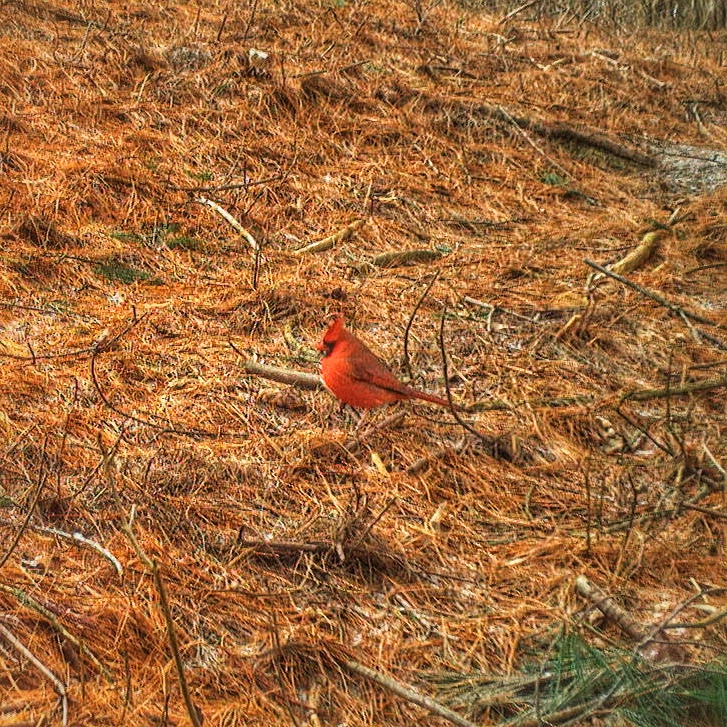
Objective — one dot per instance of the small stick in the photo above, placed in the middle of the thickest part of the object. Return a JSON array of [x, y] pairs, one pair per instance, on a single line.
[[195, 716], [455, 411], [226, 187], [42, 478], [27, 600], [328, 242], [15, 707], [495, 308], [83, 540], [706, 511], [41, 667], [284, 547], [407, 692], [517, 10], [391, 421], [398, 258], [104, 344], [229, 218], [153, 567], [673, 307], [714, 461]]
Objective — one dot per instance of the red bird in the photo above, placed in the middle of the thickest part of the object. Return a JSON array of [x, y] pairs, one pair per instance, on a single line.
[[355, 376]]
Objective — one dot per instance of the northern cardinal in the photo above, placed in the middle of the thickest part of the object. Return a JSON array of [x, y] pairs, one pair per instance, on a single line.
[[357, 377]]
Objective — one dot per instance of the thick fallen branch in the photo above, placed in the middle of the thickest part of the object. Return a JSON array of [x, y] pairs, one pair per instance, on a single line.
[[328, 242], [653, 645], [558, 130], [284, 376], [640, 254]]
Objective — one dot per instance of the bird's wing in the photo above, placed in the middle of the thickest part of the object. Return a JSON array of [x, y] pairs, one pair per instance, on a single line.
[[371, 370]]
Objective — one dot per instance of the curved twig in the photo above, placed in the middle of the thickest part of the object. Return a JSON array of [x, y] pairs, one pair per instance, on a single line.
[[445, 372], [407, 365], [42, 477]]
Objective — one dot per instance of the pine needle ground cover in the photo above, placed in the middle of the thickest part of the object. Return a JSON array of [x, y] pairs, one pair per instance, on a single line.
[[533, 204]]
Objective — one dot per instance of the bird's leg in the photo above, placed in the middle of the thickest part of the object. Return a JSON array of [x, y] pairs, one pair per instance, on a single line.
[[361, 420], [391, 420]]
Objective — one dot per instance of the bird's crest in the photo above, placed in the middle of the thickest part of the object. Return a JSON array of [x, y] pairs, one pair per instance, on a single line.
[[332, 334]]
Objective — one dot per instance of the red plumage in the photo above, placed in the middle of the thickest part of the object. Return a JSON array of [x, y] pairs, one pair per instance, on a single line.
[[357, 377]]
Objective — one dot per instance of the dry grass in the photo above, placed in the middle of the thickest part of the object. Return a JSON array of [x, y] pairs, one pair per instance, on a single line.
[[119, 294]]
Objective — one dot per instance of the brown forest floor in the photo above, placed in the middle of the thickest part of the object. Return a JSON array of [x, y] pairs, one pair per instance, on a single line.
[[120, 295]]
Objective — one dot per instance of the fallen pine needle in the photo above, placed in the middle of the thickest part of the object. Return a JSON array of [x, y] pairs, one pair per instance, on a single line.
[[660, 299]]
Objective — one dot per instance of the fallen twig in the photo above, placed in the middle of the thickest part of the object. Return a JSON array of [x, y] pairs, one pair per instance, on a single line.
[[423, 296], [610, 609], [661, 300], [517, 10], [694, 387], [226, 187], [653, 644], [352, 445], [42, 477], [58, 685], [395, 258], [27, 600], [583, 135], [83, 540], [495, 308], [171, 429], [229, 218], [706, 511], [418, 465], [153, 567], [527, 138], [407, 692], [455, 410], [278, 547]]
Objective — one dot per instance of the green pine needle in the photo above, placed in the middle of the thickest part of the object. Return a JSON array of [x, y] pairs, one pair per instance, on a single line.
[[577, 681]]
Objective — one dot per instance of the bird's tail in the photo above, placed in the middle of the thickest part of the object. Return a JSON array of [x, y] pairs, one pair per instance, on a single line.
[[435, 400]]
